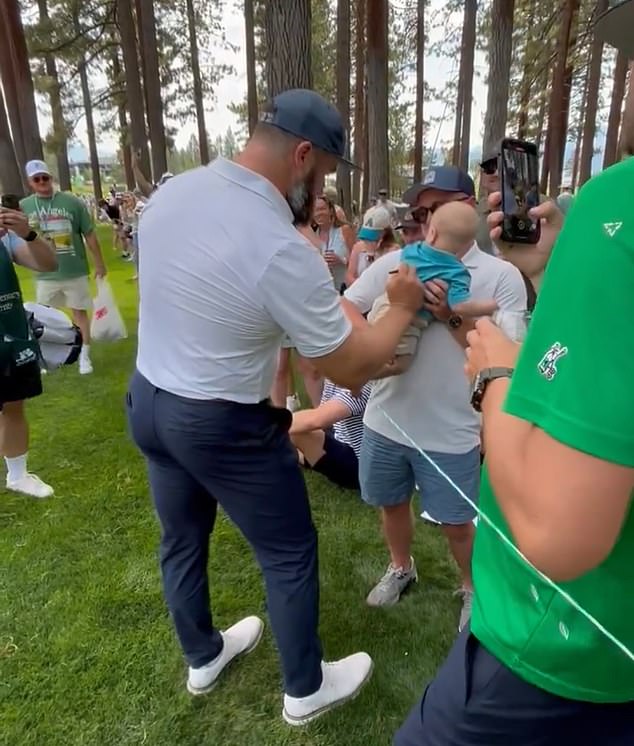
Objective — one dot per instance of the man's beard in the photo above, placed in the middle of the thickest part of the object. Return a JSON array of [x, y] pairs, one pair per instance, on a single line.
[[301, 200]]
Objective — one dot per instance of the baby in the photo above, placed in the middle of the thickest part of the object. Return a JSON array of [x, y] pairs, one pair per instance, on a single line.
[[452, 230]]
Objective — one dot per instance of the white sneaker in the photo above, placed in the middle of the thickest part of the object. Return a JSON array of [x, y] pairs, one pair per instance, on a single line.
[[85, 366], [240, 639], [30, 485], [342, 681]]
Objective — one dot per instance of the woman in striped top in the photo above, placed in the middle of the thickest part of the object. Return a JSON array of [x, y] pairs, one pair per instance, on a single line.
[[329, 436]]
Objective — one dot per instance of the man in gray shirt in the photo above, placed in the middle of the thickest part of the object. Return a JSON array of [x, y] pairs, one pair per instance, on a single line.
[[428, 407]]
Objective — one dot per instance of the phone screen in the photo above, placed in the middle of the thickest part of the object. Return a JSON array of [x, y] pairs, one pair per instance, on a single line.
[[519, 182], [10, 201]]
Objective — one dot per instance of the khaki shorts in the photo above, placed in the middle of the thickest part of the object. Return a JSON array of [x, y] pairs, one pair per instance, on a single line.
[[73, 293]]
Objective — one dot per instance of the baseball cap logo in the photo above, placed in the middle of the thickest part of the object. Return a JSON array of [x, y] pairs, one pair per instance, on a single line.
[[430, 177]]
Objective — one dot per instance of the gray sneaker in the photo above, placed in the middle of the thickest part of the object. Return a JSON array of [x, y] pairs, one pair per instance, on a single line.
[[388, 591], [467, 603]]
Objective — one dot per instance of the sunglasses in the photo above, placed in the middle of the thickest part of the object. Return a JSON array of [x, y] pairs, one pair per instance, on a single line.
[[42, 179], [421, 214], [489, 167]]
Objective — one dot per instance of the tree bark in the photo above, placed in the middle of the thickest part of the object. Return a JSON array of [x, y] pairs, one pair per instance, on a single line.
[[152, 80], [592, 101], [616, 104], [60, 136], [10, 174], [419, 133], [90, 122], [560, 96], [343, 96], [287, 27], [500, 49], [16, 78], [527, 73], [626, 140], [135, 105], [252, 85], [576, 161], [377, 44], [199, 101], [468, 51], [359, 101], [124, 130]]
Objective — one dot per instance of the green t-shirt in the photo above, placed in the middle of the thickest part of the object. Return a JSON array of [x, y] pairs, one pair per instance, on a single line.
[[574, 380], [64, 220]]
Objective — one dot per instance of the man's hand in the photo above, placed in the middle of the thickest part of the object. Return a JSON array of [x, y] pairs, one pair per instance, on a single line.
[[405, 289], [529, 259], [436, 300], [489, 347], [100, 271], [15, 221]]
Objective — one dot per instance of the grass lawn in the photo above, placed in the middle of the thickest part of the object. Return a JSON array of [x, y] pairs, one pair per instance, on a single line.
[[87, 652]]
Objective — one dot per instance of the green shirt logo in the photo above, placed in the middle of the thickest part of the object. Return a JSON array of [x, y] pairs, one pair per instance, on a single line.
[[547, 366]]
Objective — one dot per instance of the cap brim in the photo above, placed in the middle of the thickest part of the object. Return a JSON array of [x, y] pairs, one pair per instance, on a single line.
[[407, 224], [412, 194], [615, 27]]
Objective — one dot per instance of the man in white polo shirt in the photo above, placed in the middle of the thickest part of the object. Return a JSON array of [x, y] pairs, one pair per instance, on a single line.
[[429, 404], [213, 314]]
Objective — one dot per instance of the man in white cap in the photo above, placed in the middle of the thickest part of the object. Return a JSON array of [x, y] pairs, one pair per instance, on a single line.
[[65, 222]]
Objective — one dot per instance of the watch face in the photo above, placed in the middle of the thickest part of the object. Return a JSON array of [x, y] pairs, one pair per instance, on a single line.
[[455, 321]]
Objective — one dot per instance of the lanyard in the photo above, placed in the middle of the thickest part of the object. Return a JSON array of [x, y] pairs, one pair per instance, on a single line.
[[43, 215]]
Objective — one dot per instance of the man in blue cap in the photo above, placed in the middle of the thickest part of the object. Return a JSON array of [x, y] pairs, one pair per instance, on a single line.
[[428, 405], [213, 314]]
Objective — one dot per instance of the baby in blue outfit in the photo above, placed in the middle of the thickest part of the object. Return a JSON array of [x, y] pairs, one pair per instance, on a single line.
[[451, 231]]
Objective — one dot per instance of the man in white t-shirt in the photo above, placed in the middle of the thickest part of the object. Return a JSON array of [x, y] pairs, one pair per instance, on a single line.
[[212, 317], [428, 406]]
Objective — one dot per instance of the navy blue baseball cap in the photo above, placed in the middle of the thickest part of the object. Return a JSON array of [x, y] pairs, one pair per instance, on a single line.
[[307, 115], [443, 178]]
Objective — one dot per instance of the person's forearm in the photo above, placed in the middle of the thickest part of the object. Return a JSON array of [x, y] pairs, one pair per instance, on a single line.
[[42, 254], [95, 250], [460, 334]]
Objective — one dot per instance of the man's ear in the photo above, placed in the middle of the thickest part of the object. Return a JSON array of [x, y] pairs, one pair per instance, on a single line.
[[302, 152], [432, 233]]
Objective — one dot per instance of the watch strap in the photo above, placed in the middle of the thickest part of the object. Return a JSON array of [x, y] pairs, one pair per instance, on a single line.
[[483, 379], [31, 236]]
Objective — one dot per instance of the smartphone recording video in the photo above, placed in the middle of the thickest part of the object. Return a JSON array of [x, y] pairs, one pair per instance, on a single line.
[[519, 183], [10, 201]]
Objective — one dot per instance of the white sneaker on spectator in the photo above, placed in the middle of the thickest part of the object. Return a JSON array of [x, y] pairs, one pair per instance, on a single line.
[[31, 485], [240, 639], [342, 681], [85, 366]]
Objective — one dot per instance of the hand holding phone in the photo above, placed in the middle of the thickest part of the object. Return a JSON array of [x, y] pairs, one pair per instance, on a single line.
[[10, 201], [519, 185]]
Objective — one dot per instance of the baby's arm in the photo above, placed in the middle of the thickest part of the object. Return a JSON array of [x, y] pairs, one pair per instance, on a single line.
[[475, 308]]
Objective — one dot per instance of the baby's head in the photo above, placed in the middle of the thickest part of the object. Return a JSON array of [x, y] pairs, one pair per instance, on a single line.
[[453, 227]]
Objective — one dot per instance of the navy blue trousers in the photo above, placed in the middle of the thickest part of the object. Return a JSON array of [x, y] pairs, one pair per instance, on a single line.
[[476, 701], [199, 454]]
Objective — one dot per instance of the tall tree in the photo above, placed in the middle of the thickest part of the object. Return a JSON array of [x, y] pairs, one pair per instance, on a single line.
[[252, 86], [10, 176], [616, 104], [135, 105], [152, 81], [82, 68], [419, 134], [287, 29], [343, 94], [500, 49], [378, 171], [592, 101], [17, 82], [359, 100], [626, 140], [199, 101], [59, 141], [462, 127], [118, 84]]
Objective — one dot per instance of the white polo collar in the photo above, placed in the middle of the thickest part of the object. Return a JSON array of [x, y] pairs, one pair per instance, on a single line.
[[254, 182], [470, 259]]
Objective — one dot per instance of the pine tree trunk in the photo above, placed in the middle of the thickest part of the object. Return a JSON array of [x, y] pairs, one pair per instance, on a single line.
[[377, 44], [582, 117], [16, 78], [199, 101], [500, 48], [626, 141], [616, 104], [468, 51], [10, 175], [152, 80], [592, 102], [135, 105], [359, 101], [419, 133], [343, 95], [560, 96], [287, 27], [365, 191], [124, 130], [252, 85], [527, 73]]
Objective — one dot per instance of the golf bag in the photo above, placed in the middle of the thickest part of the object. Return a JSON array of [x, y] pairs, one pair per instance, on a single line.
[[58, 338]]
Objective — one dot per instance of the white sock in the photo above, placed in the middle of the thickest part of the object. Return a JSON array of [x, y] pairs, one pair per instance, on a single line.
[[16, 468], [85, 352]]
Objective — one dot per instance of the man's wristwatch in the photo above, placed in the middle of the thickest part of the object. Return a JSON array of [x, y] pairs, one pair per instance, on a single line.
[[31, 236], [454, 321], [482, 380]]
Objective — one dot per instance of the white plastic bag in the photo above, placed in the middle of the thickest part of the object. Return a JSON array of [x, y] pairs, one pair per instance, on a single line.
[[107, 324]]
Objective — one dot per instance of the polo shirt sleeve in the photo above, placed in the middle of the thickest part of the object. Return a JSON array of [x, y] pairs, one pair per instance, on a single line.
[[356, 404], [297, 290], [510, 290], [86, 223], [371, 284], [12, 243], [575, 376]]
